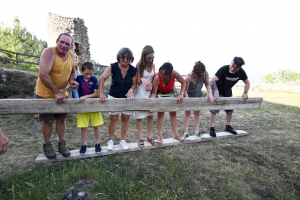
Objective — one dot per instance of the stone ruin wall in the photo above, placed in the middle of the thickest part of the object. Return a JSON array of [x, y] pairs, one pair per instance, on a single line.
[[76, 28]]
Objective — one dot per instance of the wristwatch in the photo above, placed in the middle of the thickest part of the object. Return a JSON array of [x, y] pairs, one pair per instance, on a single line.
[[245, 92]]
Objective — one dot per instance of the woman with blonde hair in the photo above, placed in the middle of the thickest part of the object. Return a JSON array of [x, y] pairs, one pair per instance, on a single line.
[[145, 73]]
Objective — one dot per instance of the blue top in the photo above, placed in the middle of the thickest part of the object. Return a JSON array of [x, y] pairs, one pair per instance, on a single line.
[[86, 87], [119, 85]]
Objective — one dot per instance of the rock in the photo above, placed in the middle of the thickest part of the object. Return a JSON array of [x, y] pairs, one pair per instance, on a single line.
[[77, 195]]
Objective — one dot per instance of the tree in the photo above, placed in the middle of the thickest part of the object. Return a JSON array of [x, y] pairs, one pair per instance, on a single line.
[[283, 76], [18, 39]]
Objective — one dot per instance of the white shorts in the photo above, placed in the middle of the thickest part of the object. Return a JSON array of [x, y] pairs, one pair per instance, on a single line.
[[125, 112]]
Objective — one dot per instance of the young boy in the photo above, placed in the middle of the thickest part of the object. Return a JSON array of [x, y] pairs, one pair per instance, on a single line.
[[88, 88]]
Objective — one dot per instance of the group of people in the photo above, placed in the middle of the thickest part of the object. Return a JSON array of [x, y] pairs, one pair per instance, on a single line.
[[58, 70]]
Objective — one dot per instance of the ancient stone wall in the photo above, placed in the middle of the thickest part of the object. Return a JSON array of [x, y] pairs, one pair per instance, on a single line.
[[76, 28]]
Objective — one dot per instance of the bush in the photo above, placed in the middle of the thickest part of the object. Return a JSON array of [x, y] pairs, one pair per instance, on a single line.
[[283, 76]]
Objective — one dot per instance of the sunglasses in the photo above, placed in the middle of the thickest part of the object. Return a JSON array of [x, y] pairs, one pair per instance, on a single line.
[[199, 75], [126, 57]]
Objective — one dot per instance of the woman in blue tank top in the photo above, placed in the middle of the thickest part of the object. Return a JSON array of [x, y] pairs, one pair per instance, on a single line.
[[123, 84]]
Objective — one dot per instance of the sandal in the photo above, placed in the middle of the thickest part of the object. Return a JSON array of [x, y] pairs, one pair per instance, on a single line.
[[151, 141], [141, 143], [159, 141], [180, 139]]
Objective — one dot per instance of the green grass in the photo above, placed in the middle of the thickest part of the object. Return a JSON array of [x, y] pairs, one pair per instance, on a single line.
[[262, 165]]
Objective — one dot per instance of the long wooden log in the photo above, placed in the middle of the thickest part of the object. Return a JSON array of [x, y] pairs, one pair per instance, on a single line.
[[42, 106]]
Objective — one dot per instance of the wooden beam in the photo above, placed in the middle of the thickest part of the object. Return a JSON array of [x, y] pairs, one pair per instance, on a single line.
[[42, 106], [134, 147]]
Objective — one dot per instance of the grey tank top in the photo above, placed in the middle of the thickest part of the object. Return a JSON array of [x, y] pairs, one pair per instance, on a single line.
[[194, 89]]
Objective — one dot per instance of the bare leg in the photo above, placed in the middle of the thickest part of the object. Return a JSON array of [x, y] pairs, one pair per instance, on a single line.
[[149, 126], [196, 121], [83, 135], [113, 120], [47, 130], [139, 127], [173, 120], [212, 119], [61, 128], [160, 123], [228, 118], [124, 125], [97, 134], [186, 120]]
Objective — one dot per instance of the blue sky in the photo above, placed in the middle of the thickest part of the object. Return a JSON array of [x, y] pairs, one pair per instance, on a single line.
[[265, 33]]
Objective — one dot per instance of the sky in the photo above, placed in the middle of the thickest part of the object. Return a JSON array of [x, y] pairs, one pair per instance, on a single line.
[[265, 33]]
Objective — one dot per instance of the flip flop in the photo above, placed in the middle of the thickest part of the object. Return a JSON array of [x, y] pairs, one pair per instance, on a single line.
[[152, 142], [180, 139], [159, 141], [141, 143]]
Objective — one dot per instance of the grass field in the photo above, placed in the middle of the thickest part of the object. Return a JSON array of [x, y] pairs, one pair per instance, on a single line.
[[265, 164]]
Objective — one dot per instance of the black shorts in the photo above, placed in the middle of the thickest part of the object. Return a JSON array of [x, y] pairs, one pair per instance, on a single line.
[[50, 116]]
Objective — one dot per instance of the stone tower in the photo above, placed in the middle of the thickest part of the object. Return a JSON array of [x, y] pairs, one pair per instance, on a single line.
[[76, 28]]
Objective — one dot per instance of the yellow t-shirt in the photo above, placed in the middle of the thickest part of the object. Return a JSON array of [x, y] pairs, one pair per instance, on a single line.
[[60, 74]]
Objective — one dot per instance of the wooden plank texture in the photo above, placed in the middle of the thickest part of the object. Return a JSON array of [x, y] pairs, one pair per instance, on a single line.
[[134, 147], [42, 106]]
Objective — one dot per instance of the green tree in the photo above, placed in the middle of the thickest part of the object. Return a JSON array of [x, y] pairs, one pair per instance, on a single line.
[[283, 76], [18, 39]]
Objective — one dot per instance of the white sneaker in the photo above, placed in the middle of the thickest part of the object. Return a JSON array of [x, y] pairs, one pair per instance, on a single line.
[[124, 145], [185, 135], [110, 145]]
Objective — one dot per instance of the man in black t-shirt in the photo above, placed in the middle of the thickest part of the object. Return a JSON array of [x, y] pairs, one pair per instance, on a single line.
[[221, 84]]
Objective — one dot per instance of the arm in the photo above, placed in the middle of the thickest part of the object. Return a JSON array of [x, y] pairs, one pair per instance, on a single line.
[[4, 143], [46, 62], [73, 84], [149, 87], [142, 79], [208, 88], [246, 89], [139, 78], [92, 94], [95, 94], [130, 94], [181, 80], [102, 79], [155, 84], [187, 81], [213, 84]]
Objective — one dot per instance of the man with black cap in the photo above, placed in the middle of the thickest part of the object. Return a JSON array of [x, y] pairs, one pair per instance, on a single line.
[[221, 84]]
